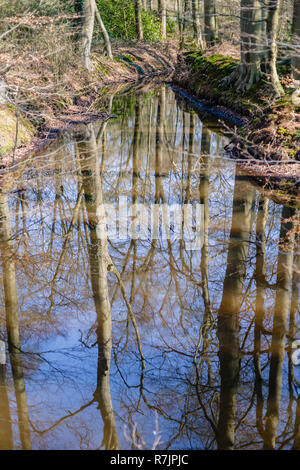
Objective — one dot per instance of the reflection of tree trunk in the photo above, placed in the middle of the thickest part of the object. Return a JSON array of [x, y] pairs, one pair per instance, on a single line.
[[296, 444], [282, 304], [161, 113], [260, 274], [293, 315], [99, 258], [204, 192], [12, 320], [136, 166], [228, 324], [6, 437]]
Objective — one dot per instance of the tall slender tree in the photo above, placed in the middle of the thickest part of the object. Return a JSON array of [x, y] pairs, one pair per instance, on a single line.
[[90, 13], [210, 22], [272, 32], [296, 41], [162, 7], [196, 24], [138, 20], [89, 8]]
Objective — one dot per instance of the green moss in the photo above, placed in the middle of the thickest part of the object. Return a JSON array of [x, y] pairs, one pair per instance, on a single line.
[[217, 66], [205, 78], [282, 131], [127, 58], [101, 69], [8, 127]]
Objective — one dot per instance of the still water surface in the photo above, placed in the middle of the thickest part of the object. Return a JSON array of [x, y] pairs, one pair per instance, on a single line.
[[145, 344]]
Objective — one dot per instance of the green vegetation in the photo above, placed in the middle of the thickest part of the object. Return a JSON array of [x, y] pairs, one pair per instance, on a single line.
[[119, 19], [207, 73]]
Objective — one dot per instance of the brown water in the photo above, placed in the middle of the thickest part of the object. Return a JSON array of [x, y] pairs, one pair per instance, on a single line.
[[144, 343]]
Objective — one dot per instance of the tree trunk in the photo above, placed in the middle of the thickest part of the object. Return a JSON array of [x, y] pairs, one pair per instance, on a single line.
[[162, 7], [249, 71], [296, 42], [196, 24], [104, 32], [138, 20], [210, 22], [87, 32], [272, 32], [185, 8]]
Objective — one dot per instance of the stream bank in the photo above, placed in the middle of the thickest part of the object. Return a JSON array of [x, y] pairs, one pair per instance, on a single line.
[[267, 144], [39, 104], [265, 133]]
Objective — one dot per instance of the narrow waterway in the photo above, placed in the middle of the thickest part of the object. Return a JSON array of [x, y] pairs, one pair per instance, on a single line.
[[150, 293]]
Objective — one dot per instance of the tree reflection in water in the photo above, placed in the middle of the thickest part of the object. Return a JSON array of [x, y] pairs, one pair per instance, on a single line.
[[194, 345]]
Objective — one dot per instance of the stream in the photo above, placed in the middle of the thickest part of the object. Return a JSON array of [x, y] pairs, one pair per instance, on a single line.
[[150, 291]]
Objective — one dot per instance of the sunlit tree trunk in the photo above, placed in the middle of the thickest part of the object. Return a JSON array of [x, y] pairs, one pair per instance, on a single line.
[[272, 32], [210, 22], [162, 6], [12, 319], [138, 20], [196, 24], [228, 317], [281, 312], [250, 69], [107, 43], [87, 32], [99, 264]]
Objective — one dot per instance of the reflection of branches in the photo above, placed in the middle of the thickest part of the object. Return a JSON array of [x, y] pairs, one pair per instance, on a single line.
[[64, 248], [61, 420]]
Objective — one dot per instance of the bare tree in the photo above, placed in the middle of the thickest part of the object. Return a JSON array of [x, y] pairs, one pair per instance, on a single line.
[[296, 41], [162, 6], [210, 21], [138, 20]]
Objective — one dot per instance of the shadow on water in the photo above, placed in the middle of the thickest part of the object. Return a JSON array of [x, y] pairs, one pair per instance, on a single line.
[[150, 293]]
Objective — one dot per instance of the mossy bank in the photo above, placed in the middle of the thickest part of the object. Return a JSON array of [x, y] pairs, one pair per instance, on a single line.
[[15, 130], [271, 128]]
